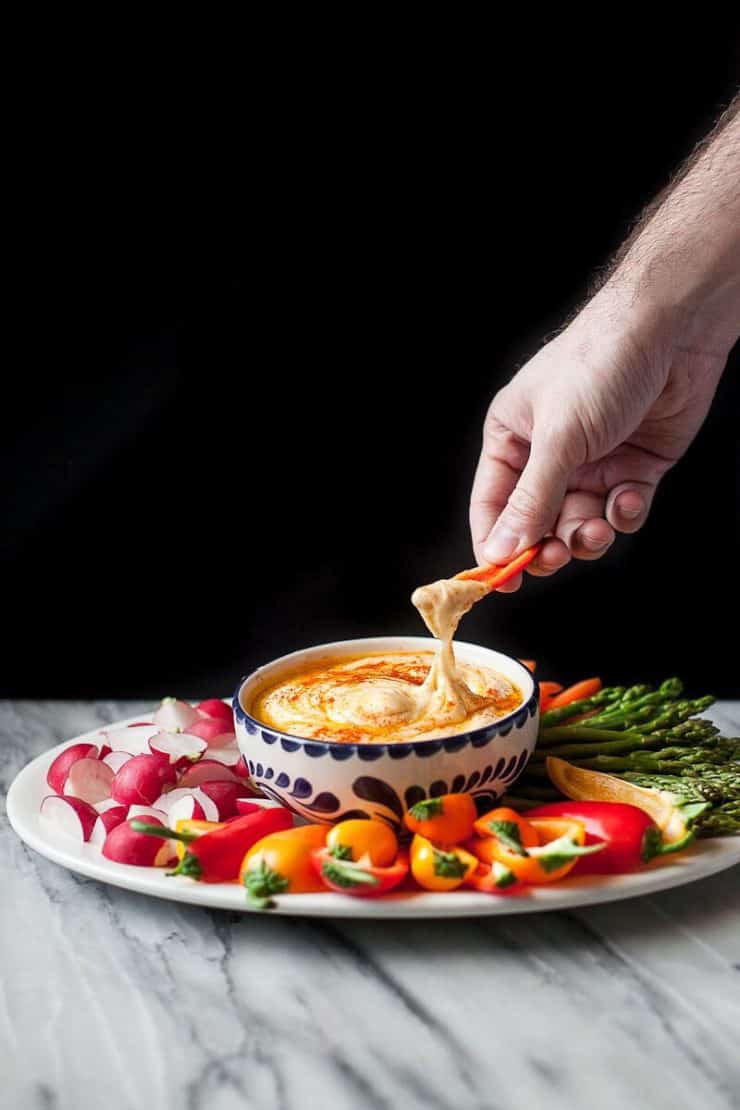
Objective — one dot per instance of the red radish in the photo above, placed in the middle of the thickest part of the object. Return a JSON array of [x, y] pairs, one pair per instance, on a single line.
[[224, 795], [142, 779], [207, 770], [147, 811], [124, 845], [105, 749], [131, 737], [116, 760], [70, 816], [204, 809], [106, 822], [241, 769], [178, 748], [216, 709], [175, 716], [215, 733], [229, 756], [90, 780], [56, 776], [107, 803], [187, 808]]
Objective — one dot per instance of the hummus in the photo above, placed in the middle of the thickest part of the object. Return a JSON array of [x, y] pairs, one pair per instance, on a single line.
[[395, 696]]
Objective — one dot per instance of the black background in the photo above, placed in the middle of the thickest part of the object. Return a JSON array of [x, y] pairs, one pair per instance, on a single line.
[[244, 409]]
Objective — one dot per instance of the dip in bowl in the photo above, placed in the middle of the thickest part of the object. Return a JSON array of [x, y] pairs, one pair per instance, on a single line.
[[379, 765]]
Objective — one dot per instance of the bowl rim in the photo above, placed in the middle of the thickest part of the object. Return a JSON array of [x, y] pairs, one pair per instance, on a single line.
[[530, 705]]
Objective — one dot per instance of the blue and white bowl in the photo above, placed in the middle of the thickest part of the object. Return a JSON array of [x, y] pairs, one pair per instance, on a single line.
[[329, 781]]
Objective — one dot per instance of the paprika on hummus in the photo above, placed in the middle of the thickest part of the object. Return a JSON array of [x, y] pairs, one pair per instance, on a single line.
[[396, 696]]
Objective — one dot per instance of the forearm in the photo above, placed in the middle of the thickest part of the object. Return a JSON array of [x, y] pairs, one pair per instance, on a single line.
[[680, 268]]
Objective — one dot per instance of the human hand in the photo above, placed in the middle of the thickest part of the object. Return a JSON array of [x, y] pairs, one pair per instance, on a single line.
[[575, 445]]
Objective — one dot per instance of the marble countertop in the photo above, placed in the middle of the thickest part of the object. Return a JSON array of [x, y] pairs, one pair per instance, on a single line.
[[111, 999]]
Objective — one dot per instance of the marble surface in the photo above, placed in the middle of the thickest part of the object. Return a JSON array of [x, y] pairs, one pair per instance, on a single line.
[[112, 999]]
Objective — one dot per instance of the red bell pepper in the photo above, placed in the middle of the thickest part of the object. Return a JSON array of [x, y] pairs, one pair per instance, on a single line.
[[631, 837], [216, 857], [494, 878], [358, 877]]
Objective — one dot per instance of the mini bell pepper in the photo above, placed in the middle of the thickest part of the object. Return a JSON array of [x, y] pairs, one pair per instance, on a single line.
[[358, 877], [216, 857], [447, 819], [630, 837], [359, 836], [281, 863], [561, 843], [511, 829], [437, 869]]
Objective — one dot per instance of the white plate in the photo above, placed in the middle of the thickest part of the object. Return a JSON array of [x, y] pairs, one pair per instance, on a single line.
[[705, 858]]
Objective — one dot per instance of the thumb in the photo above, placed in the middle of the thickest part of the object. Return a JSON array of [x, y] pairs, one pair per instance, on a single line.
[[533, 506]]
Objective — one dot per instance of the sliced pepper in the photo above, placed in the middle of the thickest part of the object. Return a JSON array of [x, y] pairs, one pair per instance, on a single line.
[[494, 878], [447, 819], [361, 836], [561, 843], [438, 869], [358, 877], [510, 827]]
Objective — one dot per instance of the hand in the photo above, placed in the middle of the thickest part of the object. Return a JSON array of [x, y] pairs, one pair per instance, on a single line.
[[575, 445]]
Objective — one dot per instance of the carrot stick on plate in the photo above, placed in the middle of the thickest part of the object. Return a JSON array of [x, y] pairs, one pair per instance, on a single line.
[[584, 689]]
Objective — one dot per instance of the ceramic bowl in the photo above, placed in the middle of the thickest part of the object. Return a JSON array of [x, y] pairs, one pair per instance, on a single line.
[[329, 781]]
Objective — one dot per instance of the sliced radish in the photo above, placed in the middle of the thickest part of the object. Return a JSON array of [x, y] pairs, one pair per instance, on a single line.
[[175, 716], [131, 737], [217, 710], [115, 760], [207, 810], [178, 748], [215, 733], [241, 769], [142, 779], [124, 845], [56, 776], [105, 750], [106, 804], [147, 811], [207, 770], [70, 816], [229, 756], [187, 808], [224, 795], [90, 780], [106, 822]]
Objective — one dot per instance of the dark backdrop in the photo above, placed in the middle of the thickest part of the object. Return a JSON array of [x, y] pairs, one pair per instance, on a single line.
[[245, 417]]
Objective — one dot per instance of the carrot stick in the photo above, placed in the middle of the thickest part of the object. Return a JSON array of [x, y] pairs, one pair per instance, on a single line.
[[495, 575], [531, 665], [584, 689]]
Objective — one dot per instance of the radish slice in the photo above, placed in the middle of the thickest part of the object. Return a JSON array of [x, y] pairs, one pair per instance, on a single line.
[[245, 806], [70, 816], [215, 733], [186, 809], [90, 780], [124, 845], [105, 749], [106, 804], [178, 748], [175, 716], [224, 796], [56, 776], [106, 822], [131, 737], [207, 770], [229, 756], [207, 809], [142, 779], [115, 760], [241, 769], [216, 709]]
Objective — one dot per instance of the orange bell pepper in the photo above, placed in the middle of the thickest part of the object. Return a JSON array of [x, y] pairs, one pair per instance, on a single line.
[[562, 842], [281, 863], [494, 878], [358, 878], [511, 829], [446, 820], [436, 869], [361, 836]]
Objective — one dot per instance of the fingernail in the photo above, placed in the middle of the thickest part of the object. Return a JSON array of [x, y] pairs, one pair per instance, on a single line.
[[501, 546], [631, 514], [594, 545]]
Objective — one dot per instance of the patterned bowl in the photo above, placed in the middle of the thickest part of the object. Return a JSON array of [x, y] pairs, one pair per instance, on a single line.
[[330, 781]]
